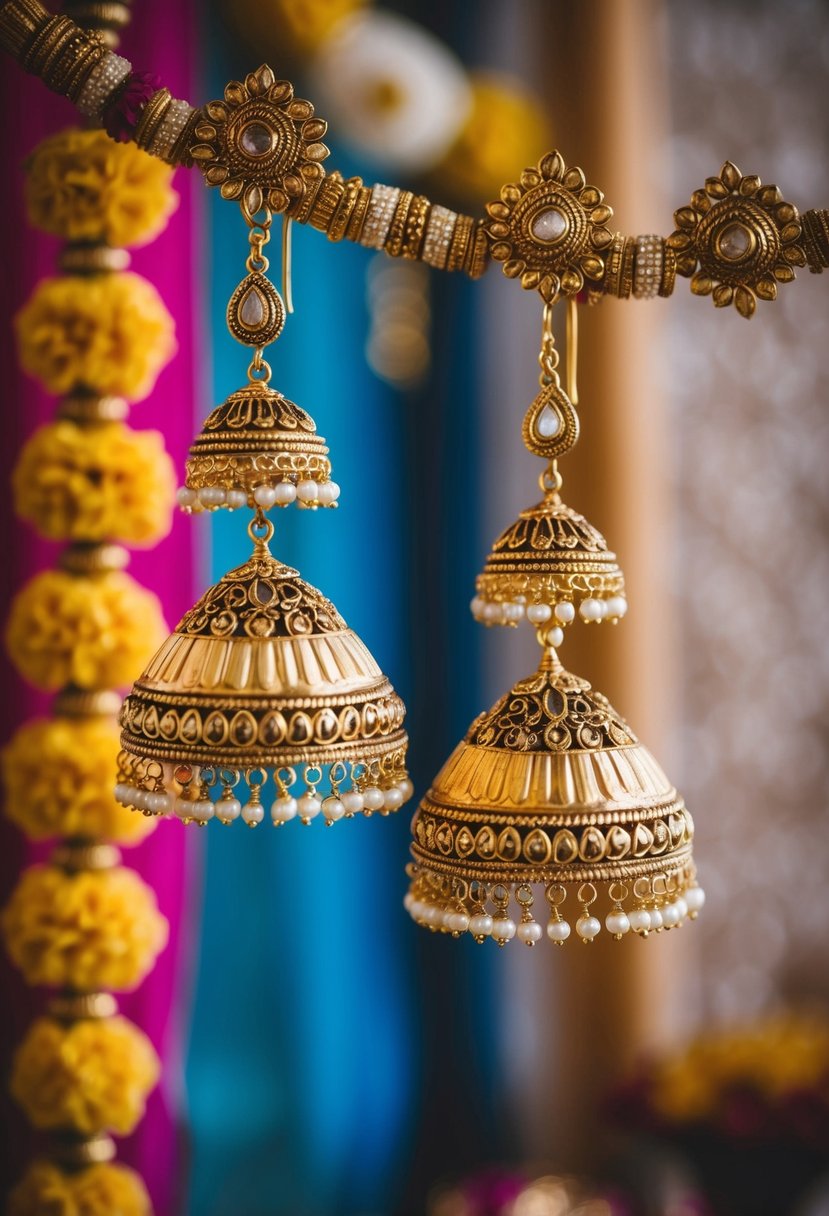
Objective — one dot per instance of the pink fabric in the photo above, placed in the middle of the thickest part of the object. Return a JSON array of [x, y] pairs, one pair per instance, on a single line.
[[161, 38]]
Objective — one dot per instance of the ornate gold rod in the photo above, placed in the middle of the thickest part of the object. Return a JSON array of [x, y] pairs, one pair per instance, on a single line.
[[262, 146]]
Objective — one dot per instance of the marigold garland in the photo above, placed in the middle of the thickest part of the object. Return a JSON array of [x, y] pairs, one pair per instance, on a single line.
[[83, 186], [98, 929], [58, 776], [94, 632], [91, 1076], [106, 333], [96, 483], [100, 1190]]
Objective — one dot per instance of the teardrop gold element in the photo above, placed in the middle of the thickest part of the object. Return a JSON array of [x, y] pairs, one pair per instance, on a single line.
[[255, 313], [551, 424]]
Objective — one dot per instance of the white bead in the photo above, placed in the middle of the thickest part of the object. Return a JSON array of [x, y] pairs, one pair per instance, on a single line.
[[408, 901], [202, 810], [554, 636], [353, 802], [670, 916], [309, 805], [681, 907], [493, 613], [558, 930], [503, 929], [373, 798], [432, 915], [640, 920], [591, 610], [588, 926], [228, 809], [476, 607], [617, 606], [164, 802], [121, 793], [183, 808], [694, 898], [212, 496], [329, 492], [253, 813], [236, 499], [513, 612], [537, 614], [565, 612], [283, 809], [480, 925], [333, 808], [530, 932], [264, 496], [139, 800], [185, 497], [307, 491], [657, 920], [406, 788], [393, 798], [617, 923], [457, 922], [285, 493]]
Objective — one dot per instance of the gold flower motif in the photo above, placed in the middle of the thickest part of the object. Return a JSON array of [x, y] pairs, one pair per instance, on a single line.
[[261, 144], [90, 1077], [95, 930], [549, 229], [737, 240], [99, 1190]]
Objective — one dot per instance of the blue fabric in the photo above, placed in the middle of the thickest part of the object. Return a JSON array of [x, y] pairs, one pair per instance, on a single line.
[[331, 1039]]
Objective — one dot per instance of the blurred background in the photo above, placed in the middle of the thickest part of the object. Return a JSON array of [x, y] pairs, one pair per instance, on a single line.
[[336, 1060]]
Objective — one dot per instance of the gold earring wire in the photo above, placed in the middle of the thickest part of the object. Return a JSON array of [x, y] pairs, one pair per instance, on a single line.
[[287, 242]]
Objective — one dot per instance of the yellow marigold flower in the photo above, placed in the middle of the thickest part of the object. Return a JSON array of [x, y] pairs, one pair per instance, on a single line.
[[108, 333], [90, 1076], [98, 929], [96, 483], [100, 1190], [505, 130], [59, 775], [83, 186], [95, 632]]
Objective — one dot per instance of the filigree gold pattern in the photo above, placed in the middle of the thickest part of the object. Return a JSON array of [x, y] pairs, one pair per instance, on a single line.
[[260, 144], [737, 240], [549, 229]]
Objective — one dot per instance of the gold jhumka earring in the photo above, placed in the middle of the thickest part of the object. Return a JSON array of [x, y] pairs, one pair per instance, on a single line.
[[551, 789], [262, 680]]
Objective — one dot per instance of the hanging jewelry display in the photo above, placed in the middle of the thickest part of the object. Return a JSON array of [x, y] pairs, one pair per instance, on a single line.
[[262, 679], [551, 789]]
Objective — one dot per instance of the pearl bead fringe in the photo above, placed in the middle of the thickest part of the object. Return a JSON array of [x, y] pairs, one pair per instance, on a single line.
[[305, 493], [556, 615]]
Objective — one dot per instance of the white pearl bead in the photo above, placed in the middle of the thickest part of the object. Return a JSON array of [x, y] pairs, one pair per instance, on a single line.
[[139, 799], [408, 901], [457, 922], [353, 802], [681, 907], [503, 929], [333, 808], [530, 932], [432, 915], [406, 788], [587, 927], [694, 898], [591, 610], [121, 793], [373, 798], [307, 491], [228, 809], [657, 919], [253, 813], [554, 636], [264, 496], [212, 496], [565, 612], [558, 930], [670, 916], [329, 492], [617, 606], [283, 809], [183, 808], [480, 925], [185, 497], [393, 798], [202, 810], [537, 614], [236, 499], [617, 923], [640, 920], [513, 613], [493, 613], [476, 607], [163, 804], [285, 493], [309, 805]]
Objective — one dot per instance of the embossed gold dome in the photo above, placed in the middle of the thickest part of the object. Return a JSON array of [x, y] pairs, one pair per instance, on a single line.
[[551, 787], [547, 567], [263, 679], [258, 449]]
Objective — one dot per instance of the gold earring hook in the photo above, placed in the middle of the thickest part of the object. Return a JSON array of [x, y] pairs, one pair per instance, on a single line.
[[572, 344], [287, 294]]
